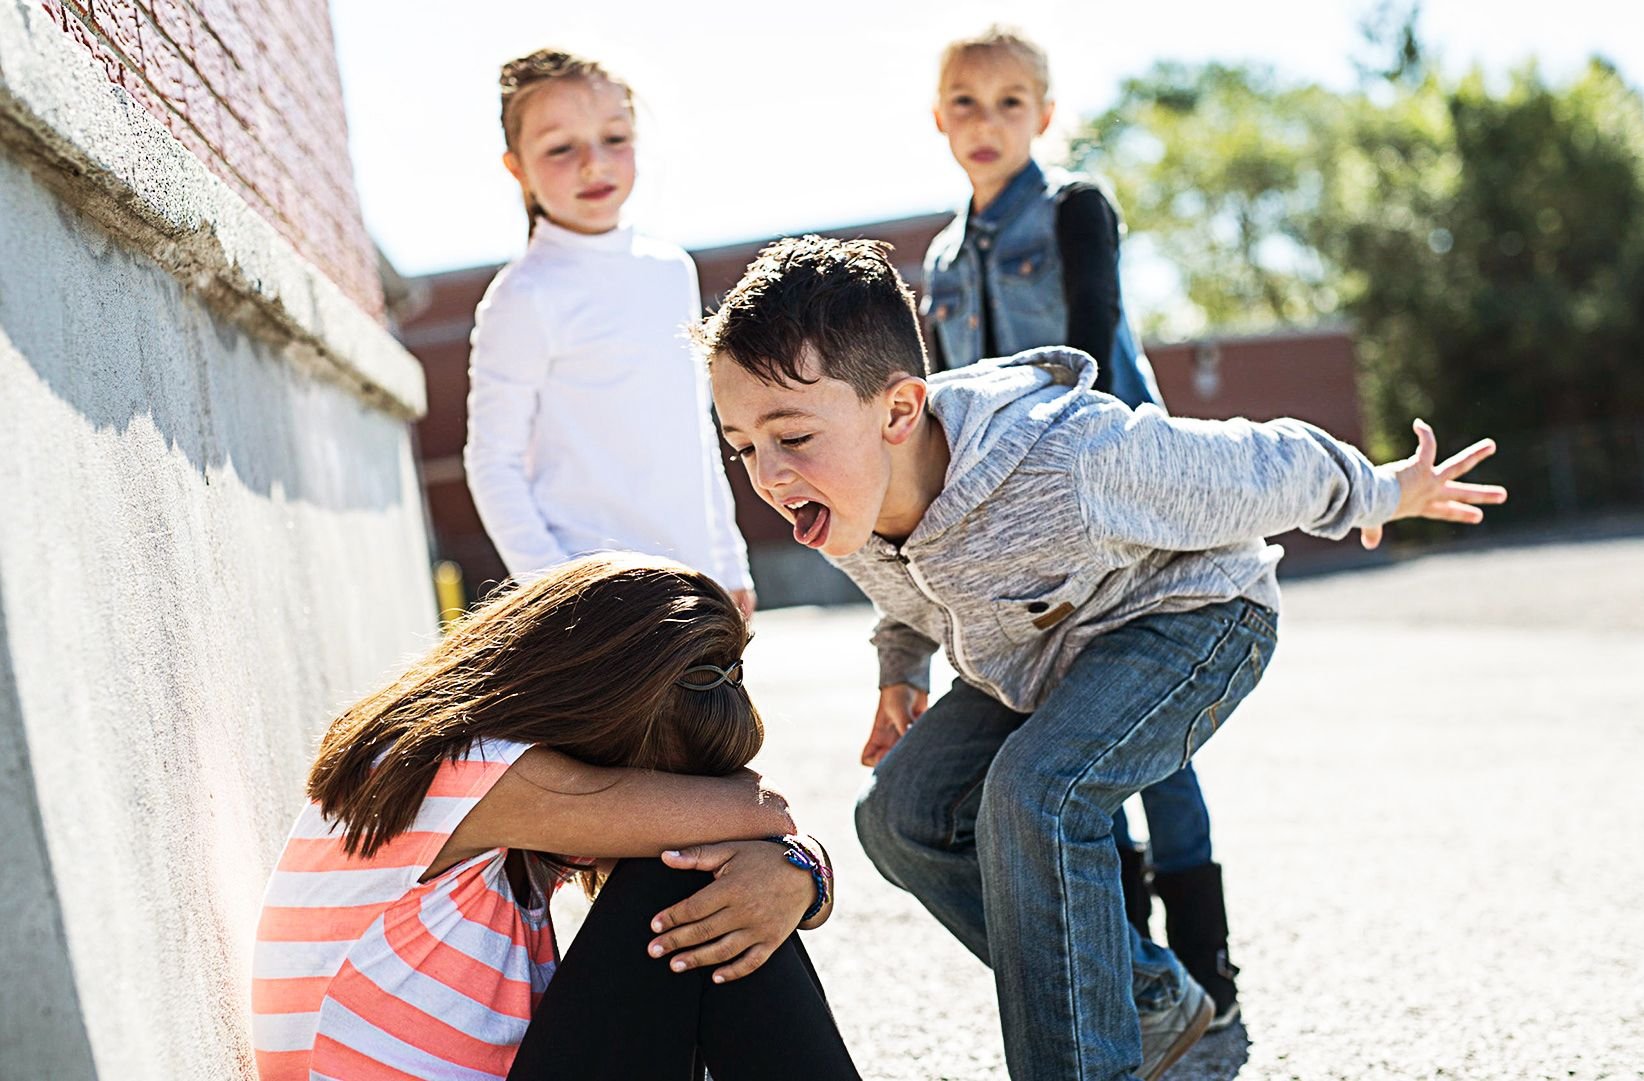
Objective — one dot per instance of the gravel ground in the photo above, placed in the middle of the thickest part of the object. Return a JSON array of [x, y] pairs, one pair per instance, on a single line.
[[1428, 816]]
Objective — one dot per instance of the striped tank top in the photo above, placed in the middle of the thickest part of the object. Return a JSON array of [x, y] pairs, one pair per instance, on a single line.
[[362, 973]]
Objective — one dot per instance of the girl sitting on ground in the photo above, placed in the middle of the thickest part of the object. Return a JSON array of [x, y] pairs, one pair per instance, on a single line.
[[588, 724]]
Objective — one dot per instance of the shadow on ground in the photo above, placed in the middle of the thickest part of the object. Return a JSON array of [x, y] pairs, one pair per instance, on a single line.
[[1218, 1057]]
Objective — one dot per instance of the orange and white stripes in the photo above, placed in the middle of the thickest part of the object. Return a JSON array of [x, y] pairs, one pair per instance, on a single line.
[[362, 973]]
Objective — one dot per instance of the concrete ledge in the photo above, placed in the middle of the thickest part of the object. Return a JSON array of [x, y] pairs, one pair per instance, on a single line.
[[105, 156]]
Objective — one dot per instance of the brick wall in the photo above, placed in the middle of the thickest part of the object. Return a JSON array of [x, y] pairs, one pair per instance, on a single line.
[[250, 87]]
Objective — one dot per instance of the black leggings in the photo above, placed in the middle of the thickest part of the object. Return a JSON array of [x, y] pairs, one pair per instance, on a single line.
[[614, 1012]]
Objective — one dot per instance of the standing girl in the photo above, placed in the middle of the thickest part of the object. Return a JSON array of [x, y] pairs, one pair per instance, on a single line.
[[588, 421], [405, 932]]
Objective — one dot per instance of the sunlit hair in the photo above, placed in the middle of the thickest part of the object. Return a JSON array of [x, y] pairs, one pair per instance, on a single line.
[[841, 299], [585, 660], [1003, 39], [522, 78]]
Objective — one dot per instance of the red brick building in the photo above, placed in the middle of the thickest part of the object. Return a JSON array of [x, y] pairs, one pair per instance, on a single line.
[[251, 89], [1305, 374]]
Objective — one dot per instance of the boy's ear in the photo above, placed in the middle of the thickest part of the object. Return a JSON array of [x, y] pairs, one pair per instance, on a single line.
[[904, 407], [1047, 111], [936, 114]]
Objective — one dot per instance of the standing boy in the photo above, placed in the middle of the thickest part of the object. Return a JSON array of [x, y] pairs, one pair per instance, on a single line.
[[1097, 577]]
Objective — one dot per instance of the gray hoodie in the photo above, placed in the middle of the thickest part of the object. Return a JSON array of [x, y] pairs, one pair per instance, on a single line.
[[1066, 514]]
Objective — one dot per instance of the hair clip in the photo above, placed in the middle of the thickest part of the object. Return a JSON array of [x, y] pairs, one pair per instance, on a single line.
[[696, 676]]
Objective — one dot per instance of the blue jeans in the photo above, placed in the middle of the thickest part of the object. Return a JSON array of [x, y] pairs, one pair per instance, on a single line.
[[1178, 823], [1000, 824]]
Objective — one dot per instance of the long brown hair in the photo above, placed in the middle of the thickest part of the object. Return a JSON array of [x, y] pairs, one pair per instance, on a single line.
[[521, 77], [585, 660]]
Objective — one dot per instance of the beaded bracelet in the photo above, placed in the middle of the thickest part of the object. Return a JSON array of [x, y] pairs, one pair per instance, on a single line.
[[821, 874]]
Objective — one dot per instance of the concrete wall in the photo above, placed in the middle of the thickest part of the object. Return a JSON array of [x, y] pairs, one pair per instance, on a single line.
[[211, 538]]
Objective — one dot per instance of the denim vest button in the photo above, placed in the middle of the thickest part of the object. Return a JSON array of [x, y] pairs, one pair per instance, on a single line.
[[973, 322], [1026, 268], [942, 312], [984, 243]]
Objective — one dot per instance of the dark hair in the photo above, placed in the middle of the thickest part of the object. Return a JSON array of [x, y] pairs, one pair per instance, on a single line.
[[585, 660], [842, 298], [521, 77]]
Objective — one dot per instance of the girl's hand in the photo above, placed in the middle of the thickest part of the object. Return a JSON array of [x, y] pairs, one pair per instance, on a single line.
[[1427, 490], [755, 902], [900, 705]]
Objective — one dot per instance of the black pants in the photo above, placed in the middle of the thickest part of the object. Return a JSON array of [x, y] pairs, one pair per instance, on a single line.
[[614, 1012]]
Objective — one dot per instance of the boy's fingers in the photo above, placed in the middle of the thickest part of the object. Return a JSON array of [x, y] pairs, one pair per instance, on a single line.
[[1475, 493], [1457, 464], [1451, 511], [751, 959], [876, 748], [1426, 442], [1370, 536]]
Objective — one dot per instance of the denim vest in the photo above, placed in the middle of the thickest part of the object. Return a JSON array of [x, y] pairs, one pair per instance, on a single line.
[[1013, 242]]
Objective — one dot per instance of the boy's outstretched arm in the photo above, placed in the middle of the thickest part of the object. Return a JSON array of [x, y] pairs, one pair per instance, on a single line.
[[1429, 490], [1184, 485]]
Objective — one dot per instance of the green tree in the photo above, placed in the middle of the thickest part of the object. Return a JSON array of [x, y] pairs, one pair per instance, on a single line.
[[1488, 243], [1220, 167]]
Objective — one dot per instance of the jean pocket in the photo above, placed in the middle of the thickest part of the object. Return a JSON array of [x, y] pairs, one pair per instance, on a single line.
[[1241, 683]]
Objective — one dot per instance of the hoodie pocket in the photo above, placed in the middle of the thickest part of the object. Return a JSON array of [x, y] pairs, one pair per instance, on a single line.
[[1030, 616]]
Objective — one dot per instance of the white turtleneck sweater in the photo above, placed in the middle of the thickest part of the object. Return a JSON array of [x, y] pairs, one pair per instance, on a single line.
[[588, 409]]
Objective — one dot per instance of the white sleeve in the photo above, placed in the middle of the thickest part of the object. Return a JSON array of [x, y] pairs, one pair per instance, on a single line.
[[507, 369], [729, 552]]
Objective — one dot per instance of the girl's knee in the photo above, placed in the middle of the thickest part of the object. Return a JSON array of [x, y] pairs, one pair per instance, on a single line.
[[652, 882]]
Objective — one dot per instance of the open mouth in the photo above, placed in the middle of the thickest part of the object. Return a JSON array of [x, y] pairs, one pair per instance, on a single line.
[[597, 193], [810, 521]]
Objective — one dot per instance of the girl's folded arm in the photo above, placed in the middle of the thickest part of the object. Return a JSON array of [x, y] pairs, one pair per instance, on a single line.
[[550, 802]]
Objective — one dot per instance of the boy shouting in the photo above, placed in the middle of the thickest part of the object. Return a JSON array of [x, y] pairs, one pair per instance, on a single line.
[[1098, 578]]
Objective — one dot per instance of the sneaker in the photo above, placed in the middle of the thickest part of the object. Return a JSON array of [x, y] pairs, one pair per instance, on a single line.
[[1225, 1016], [1167, 1035]]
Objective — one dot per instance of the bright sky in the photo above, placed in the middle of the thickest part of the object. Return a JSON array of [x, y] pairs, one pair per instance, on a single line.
[[765, 117]]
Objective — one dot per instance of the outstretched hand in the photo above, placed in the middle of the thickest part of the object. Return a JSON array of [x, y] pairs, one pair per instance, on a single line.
[[1430, 489]]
